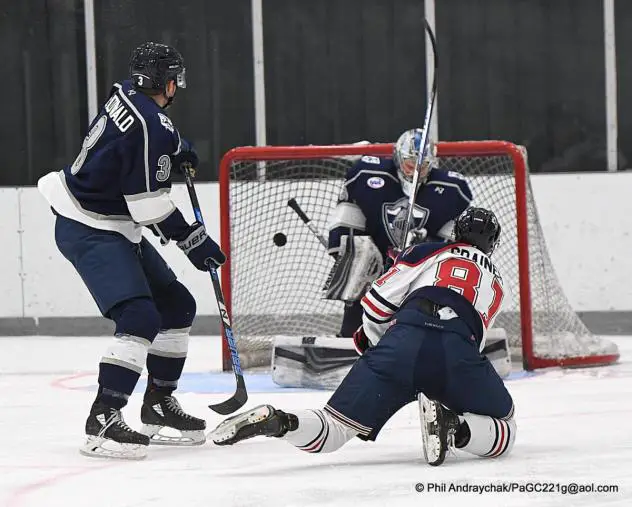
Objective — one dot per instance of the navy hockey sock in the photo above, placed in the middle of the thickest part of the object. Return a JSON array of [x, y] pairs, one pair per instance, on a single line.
[[167, 354], [137, 323]]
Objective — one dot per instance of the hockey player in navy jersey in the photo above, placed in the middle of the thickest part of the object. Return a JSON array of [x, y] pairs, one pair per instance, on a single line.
[[119, 183], [424, 325], [373, 209]]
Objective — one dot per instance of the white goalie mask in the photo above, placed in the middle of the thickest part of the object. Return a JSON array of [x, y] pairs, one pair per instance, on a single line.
[[405, 156]]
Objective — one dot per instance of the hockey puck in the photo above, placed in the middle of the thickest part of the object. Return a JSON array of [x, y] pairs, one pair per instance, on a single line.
[[279, 239]]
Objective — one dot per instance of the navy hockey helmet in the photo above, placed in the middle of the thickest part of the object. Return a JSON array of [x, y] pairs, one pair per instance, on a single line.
[[478, 227], [153, 65]]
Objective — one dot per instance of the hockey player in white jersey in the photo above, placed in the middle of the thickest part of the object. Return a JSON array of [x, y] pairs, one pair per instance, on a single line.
[[424, 326]]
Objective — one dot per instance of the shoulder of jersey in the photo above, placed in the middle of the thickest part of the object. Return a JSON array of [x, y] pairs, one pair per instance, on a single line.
[[453, 179], [417, 254], [372, 166]]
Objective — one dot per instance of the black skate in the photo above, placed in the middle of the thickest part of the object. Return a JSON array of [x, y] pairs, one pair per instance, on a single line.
[[438, 426], [263, 420], [109, 437], [165, 423]]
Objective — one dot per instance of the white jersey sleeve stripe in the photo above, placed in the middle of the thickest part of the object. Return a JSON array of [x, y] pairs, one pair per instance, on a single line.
[[374, 312], [145, 133], [386, 304], [383, 310], [347, 214], [150, 210]]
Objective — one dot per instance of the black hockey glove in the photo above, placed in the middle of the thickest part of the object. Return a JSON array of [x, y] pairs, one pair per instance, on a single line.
[[201, 250], [186, 155]]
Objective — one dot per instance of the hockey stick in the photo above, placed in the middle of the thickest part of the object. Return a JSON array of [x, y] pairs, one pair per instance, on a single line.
[[240, 397], [340, 259], [423, 144], [307, 221]]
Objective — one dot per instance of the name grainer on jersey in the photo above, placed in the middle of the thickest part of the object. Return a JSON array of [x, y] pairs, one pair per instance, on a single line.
[[116, 110], [480, 259]]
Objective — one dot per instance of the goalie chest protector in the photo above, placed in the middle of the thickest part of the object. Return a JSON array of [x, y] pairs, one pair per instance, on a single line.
[[373, 184]]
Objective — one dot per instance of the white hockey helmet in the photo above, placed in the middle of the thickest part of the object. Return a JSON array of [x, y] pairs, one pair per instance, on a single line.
[[405, 155]]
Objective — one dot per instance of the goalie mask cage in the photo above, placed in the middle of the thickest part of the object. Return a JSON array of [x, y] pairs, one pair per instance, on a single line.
[[275, 290]]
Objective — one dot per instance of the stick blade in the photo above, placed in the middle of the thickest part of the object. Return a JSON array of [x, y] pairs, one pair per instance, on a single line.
[[234, 403]]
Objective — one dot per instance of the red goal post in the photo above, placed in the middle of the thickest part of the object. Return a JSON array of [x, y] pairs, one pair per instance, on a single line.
[[256, 182]]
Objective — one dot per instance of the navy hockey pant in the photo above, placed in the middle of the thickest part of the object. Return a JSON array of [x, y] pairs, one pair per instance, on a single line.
[[132, 285], [113, 268], [419, 353]]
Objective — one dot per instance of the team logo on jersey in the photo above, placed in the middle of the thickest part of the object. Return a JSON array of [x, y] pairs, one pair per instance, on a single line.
[[375, 182], [370, 160], [165, 121], [395, 214]]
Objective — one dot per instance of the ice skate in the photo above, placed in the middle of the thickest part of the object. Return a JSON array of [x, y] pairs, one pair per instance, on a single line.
[[165, 423], [263, 420], [438, 426], [109, 437]]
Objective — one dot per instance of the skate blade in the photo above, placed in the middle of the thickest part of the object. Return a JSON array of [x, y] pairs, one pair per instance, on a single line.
[[161, 435], [226, 432], [431, 440], [99, 447]]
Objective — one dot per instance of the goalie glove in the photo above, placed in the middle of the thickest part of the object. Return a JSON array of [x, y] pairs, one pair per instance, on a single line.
[[359, 263], [361, 341]]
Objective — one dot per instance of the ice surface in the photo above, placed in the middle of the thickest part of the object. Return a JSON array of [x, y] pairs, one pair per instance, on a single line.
[[574, 426]]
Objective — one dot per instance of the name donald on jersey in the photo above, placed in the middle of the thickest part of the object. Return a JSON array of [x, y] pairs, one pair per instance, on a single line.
[[118, 113]]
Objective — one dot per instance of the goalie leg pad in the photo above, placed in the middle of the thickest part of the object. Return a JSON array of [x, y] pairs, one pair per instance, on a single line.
[[497, 351], [355, 269], [313, 362]]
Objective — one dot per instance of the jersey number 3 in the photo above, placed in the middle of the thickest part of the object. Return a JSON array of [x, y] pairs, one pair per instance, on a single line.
[[465, 276], [90, 140]]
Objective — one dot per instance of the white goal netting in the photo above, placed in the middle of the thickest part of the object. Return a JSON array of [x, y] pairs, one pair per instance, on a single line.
[[277, 290]]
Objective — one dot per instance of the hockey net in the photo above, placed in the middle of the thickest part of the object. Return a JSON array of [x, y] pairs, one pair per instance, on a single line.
[[275, 290]]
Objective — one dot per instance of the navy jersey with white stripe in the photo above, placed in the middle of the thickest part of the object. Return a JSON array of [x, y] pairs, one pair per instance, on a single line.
[[454, 275], [373, 201], [120, 179]]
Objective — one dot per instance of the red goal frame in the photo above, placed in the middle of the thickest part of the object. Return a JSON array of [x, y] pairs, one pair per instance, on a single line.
[[444, 149]]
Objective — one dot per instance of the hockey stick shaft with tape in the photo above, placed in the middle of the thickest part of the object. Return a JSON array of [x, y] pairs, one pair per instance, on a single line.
[[240, 397], [423, 145], [307, 221]]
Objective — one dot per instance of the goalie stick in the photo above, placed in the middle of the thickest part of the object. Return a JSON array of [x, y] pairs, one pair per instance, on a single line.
[[240, 397], [423, 145]]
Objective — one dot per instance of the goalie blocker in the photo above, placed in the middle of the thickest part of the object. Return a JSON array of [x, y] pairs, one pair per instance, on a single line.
[[321, 362]]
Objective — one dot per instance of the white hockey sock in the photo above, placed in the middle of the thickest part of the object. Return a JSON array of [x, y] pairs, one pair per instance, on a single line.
[[489, 437], [318, 432]]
